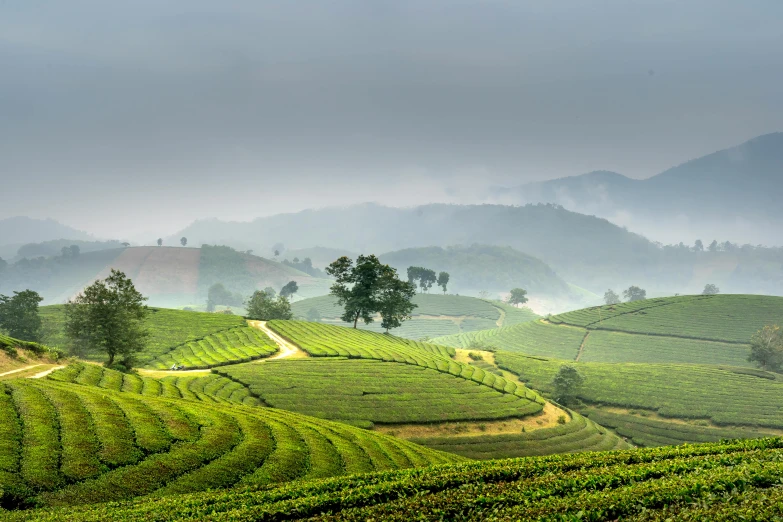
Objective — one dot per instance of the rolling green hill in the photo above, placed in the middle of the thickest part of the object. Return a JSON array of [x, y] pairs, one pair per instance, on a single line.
[[435, 315], [728, 481], [67, 443], [687, 329]]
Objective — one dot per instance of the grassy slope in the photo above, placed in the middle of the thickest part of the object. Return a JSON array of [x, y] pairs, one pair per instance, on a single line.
[[718, 482], [67, 443], [436, 315], [169, 330], [687, 329]]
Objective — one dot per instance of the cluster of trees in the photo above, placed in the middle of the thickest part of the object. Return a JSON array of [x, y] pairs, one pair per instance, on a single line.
[[369, 287], [19, 315], [426, 278], [264, 306], [305, 265], [632, 293]]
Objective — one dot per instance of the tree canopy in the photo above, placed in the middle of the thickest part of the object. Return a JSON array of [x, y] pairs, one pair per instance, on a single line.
[[218, 295], [183, 241], [261, 306], [369, 287], [425, 276], [766, 348], [611, 297], [518, 296], [710, 289], [443, 280], [634, 293], [19, 315], [289, 289], [109, 316], [567, 383]]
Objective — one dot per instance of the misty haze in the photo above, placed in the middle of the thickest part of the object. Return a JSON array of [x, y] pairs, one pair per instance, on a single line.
[[251, 250]]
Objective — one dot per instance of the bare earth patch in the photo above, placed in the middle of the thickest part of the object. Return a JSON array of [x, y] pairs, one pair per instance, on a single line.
[[546, 419]]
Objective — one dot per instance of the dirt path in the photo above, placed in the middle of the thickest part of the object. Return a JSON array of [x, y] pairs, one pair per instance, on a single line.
[[44, 373], [287, 348], [582, 346], [22, 369]]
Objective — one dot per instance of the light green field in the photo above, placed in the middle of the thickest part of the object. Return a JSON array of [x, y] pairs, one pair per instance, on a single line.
[[436, 315], [67, 443], [689, 329], [735, 480]]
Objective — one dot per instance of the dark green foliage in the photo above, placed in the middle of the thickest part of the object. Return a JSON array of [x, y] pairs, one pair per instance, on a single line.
[[217, 295], [517, 296], [766, 348], [19, 315], [443, 280], [634, 293], [289, 289], [262, 307], [425, 276], [567, 384], [109, 316], [183, 241]]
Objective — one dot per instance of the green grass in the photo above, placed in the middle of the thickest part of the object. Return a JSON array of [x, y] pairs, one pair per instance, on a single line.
[[168, 329], [725, 396], [644, 431], [367, 391], [436, 315], [688, 329], [210, 388], [321, 340], [728, 481], [580, 434], [231, 346], [66, 443]]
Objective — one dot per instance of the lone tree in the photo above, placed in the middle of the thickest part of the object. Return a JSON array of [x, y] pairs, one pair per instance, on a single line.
[[277, 253], [289, 289], [698, 246], [634, 293], [611, 298], [518, 296], [261, 306], [369, 287], [183, 241], [567, 383], [710, 289], [109, 316], [766, 348], [19, 315], [443, 280], [160, 241]]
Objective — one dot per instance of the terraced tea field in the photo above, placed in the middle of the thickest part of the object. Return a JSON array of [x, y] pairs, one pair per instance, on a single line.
[[435, 315], [68, 444], [722, 396], [367, 391], [736, 480], [689, 329], [208, 387], [231, 346]]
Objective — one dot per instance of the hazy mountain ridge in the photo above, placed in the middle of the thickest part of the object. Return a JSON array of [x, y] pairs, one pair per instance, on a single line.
[[737, 187]]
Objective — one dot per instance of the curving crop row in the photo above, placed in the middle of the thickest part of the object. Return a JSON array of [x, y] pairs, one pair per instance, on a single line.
[[322, 340], [66, 444], [734, 480]]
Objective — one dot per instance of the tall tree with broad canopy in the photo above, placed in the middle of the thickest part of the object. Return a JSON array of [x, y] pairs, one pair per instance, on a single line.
[[263, 307], [567, 383], [289, 289], [183, 241], [634, 293], [443, 280], [160, 241], [766, 348], [19, 315], [394, 299], [518, 296], [369, 287], [109, 316], [611, 297]]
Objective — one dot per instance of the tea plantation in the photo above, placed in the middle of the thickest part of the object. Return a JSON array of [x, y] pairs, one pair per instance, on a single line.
[[68, 444], [435, 315], [727, 481]]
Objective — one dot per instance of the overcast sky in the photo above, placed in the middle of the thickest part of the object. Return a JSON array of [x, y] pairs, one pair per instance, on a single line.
[[133, 118]]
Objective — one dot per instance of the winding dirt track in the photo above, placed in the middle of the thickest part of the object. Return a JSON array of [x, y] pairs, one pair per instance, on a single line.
[[287, 348]]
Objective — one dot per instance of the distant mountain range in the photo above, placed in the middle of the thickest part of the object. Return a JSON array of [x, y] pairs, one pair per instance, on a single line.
[[730, 194], [20, 230]]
